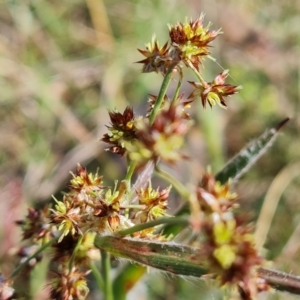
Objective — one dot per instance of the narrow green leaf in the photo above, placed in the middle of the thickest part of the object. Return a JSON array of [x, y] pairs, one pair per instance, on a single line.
[[244, 160], [169, 257]]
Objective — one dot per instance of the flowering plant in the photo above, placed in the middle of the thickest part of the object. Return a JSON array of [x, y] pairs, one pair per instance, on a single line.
[[93, 221]]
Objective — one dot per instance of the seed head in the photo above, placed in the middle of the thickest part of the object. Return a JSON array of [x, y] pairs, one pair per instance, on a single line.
[[191, 40], [214, 92], [161, 140], [155, 202]]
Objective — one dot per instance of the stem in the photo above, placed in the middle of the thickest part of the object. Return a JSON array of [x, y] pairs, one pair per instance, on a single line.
[[197, 73], [161, 95], [97, 276], [179, 187], [130, 170], [280, 280], [107, 284], [178, 87], [134, 206], [160, 221], [35, 254], [71, 262]]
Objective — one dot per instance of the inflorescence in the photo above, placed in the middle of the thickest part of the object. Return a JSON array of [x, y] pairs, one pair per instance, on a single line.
[[91, 207]]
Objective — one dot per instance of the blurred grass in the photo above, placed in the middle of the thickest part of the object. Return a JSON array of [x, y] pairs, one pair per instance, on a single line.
[[64, 63]]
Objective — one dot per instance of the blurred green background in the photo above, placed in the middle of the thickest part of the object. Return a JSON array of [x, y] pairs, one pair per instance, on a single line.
[[64, 63]]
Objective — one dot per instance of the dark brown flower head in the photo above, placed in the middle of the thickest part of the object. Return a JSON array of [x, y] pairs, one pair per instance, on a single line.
[[162, 139], [69, 285], [215, 91], [36, 224], [157, 58], [122, 130], [191, 40]]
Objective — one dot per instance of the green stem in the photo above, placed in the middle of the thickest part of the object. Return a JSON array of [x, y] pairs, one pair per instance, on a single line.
[[35, 254], [130, 170], [177, 88], [203, 82], [107, 283], [179, 187], [160, 221], [161, 95], [97, 276]]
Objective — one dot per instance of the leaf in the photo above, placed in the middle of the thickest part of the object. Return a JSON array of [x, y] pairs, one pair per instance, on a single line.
[[177, 259], [249, 155], [169, 257]]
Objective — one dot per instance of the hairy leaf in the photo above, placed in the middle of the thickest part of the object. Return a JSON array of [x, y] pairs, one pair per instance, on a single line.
[[170, 257], [248, 156]]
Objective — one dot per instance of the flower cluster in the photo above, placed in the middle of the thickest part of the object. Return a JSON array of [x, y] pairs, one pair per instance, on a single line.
[[161, 140], [89, 208], [214, 92], [159, 134], [191, 40], [155, 203], [70, 284], [229, 244], [189, 43], [36, 225], [122, 129], [157, 59], [143, 141]]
